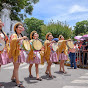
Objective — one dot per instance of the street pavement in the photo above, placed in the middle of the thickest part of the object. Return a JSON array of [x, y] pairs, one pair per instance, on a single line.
[[75, 78]]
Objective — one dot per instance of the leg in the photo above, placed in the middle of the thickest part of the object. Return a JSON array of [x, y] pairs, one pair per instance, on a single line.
[[37, 71], [63, 68], [50, 63], [63, 65], [47, 69], [60, 65], [74, 57], [61, 62], [13, 75], [71, 60], [15, 72], [30, 67]]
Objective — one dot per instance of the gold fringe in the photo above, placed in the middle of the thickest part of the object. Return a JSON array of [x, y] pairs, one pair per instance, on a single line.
[[14, 49], [42, 56], [7, 47], [47, 51], [30, 54], [62, 47]]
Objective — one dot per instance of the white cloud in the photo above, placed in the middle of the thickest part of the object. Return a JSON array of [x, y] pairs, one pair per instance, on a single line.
[[71, 14], [69, 17], [77, 8], [62, 10], [50, 7]]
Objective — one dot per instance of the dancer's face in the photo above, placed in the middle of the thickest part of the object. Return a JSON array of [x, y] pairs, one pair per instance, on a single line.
[[62, 38], [19, 29], [50, 37], [35, 36]]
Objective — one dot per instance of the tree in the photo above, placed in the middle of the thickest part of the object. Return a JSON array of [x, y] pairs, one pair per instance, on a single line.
[[32, 24], [81, 28], [17, 6], [58, 28]]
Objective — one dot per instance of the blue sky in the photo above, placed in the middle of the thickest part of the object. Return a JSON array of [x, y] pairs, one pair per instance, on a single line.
[[70, 11]]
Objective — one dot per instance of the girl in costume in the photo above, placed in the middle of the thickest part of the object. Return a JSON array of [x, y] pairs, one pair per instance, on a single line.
[[62, 53], [16, 51], [34, 56], [3, 54], [49, 54]]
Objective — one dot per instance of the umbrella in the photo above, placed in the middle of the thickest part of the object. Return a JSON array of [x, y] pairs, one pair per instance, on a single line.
[[77, 37], [81, 39], [85, 37]]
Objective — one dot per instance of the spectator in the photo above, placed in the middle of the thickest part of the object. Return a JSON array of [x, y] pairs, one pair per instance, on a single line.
[[86, 49], [72, 56]]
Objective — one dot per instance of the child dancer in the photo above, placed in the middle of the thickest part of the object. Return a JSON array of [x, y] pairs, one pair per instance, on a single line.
[[16, 51], [34, 56], [50, 55], [62, 54]]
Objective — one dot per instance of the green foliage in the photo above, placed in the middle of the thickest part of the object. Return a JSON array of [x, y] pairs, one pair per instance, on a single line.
[[58, 28], [17, 6], [81, 28], [32, 24]]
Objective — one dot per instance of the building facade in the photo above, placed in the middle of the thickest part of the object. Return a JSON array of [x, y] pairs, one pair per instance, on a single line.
[[5, 17]]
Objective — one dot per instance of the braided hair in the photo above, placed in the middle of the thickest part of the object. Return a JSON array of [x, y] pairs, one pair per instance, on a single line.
[[48, 36], [3, 32], [33, 34], [16, 31]]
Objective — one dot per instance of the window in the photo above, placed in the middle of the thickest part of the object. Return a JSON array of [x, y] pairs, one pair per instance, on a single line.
[[0, 16], [11, 27]]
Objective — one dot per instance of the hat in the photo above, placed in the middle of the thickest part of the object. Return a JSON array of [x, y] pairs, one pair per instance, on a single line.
[[48, 34], [56, 39], [17, 24], [31, 35], [60, 37]]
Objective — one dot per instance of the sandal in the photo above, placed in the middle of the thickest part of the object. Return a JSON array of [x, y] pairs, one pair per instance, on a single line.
[[61, 71], [40, 79], [13, 80], [50, 76], [20, 85], [30, 76], [65, 72], [46, 73]]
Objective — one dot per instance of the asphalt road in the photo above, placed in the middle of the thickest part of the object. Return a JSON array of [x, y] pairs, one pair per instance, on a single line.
[[75, 78]]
